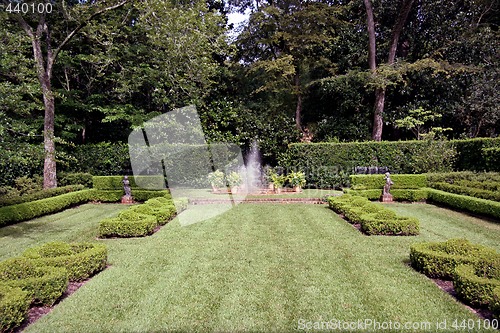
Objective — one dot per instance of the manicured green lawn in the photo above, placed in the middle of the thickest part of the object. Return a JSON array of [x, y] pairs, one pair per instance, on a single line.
[[257, 267]]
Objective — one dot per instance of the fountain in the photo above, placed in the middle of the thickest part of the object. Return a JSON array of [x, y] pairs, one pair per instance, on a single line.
[[253, 179]]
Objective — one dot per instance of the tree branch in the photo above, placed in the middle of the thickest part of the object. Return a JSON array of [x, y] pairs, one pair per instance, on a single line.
[[398, 28], [83, 24]]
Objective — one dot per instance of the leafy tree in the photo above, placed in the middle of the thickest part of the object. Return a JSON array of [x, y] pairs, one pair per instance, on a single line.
[[48, 38]]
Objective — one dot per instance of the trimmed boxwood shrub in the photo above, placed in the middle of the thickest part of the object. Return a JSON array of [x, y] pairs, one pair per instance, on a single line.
[[373, 218], [125, 226], [472, 192], [467, 203], [116, 182], [181, 204], [492, 158], [30, 210], [81, 260], [44, 284], [476, 286], [397, 194], [48, 193], [14, 305], [439, 259], [495, 304], [368, 182], [74, 178]]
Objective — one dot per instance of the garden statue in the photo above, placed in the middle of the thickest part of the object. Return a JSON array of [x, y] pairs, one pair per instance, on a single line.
[[386, 195], [127, 198]]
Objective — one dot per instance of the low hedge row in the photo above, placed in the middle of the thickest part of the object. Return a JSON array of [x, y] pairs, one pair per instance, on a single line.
[[439, 259], [116, 182], [367, 182], [52, 192], [469, 191], [14, 305], [129, 225], [495, 304], [81, 260], [43, 284], [484, 185], [29, 210], [41, 275], [397, 194], [475, 286], [452, 177], [463, 202], [141, 220], [373, 218]]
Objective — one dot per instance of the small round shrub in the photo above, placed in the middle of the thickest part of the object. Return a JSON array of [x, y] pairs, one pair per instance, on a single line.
[[439, 259], [82, 260], [14, 305], [44, 284], [473, 286], [139, 225]]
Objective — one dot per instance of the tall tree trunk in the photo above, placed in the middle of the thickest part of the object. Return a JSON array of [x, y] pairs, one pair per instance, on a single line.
[[298, 110], [378, 109], [44, 66]]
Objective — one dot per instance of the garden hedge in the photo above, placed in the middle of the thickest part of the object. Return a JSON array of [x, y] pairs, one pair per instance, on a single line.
[[29, 210], [468, 191], [439, 259], [116, 182], [129, 224], [453, 177], [401, 181], [492, 158], [48, 193], [14, 305], [81, 260], [397, 194], [373, 218], [466, 203], [476, 286], [74, 178], [495, 304], [44, 284]]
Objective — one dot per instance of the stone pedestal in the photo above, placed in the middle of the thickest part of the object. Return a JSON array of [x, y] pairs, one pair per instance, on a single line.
[[386, 198], [127, 199]]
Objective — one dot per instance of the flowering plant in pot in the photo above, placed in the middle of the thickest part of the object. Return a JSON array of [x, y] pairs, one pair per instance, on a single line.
[[216, 179], [234, 180], [278, 181], [297, 180]]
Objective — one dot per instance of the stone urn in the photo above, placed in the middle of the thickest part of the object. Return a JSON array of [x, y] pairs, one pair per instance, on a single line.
[[234, 189], [297, 189]]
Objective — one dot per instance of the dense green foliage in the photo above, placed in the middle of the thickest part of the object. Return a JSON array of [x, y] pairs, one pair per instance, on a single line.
[[44, 284], [470, 191], [14, 304], [141, 220], [475, 286], [397, 194], [465, 203], [439, 259], [367, 182], [81, 260], [6, 199], [373, 218], [296, 71], [492, 158]]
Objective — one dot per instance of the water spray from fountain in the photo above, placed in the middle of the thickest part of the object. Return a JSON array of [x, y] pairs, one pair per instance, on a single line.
[[254, 169]]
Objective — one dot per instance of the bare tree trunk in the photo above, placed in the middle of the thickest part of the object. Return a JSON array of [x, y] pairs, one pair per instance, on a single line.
[[44, 66], [378, 109], [298, 110]]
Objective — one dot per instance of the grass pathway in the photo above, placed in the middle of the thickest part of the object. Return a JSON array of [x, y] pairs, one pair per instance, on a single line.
[[261, 268]]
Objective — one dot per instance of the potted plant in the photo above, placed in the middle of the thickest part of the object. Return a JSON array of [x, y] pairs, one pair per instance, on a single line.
[[297, 180], [234, 180], [278, 181], [216, 179]]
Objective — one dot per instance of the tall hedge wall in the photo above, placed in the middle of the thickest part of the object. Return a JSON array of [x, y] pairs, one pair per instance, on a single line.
[[321, 161]]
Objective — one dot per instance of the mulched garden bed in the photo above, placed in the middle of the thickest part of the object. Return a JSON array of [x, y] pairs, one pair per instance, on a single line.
[[36, 312]]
